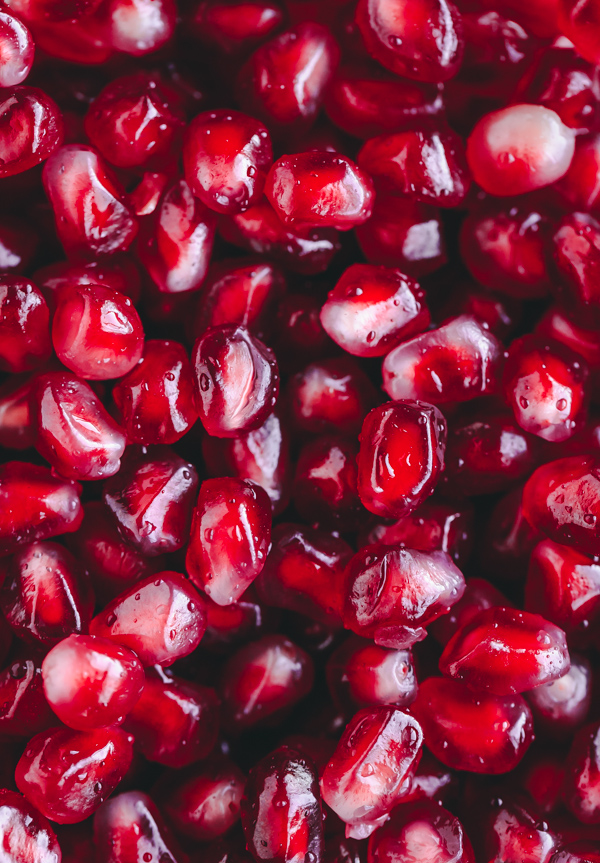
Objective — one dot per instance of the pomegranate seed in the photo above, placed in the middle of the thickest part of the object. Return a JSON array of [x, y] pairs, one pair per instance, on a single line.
[[424, 41], [227, 156], [26, 834], [372, 309], [35, 505], [365, 777], [92, 215], [67, 774], [151, 500], [281, 809], [230, 539], [509, 539], [24, 331], [130, 825], [25, 711], [578, 852], [174, 722], [156, 399], [503, 651], [45, 595], [116, 272], [30, 131], [580, 23], [578, 185], [424, 828], [324, 490], [474, 731], [392, 594], [575, 247], [139, 27], [582, 775], [17, 50], [563, 705], [161, 619], [236, 25], [91, 682], [401, 456], [515, 834], [236, 378]]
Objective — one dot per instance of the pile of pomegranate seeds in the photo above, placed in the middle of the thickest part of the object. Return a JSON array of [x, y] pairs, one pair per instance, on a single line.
[[300, 431]]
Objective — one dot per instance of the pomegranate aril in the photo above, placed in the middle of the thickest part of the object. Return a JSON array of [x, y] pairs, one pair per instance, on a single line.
[[304, 572], [35, 505], [281, 809], [129, 827], [156, 399], [392, 594], [203, 802], [563, 705], [91, 682], [25, 710], [503, 651], [401, 456], [580, 22], [235, 26], [582, 775], [226, 156], [324, 490], [67, 774], [515, 834], [236, 379], [474, 731], [575, 249], [230, 537], [118, 272], [425, 828], [372, 309], [151, 499], [97, 332], [582, 851], [579, 186], [24, 325], [366, 775], [161, 619], [45, 594], [174, 722], [508, 539], [559, 325], [31, 129], [16, 50], [135, 122], [263, 679], [91, 212], [27, 837]]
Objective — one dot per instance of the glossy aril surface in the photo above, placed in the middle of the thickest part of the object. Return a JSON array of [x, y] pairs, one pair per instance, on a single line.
[[31, 128], [324, 489], [24, 328], [422, 828], [128, 827], [27, 835], [582, 775]]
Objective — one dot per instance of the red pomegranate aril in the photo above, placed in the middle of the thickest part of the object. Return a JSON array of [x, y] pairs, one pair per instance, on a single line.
[[176, 243], [497, 51], [284, 81], [561, 706], [134, 122], [474, 731], [281, 809], [117, 272], [579, 186], [91, 682], [365, 777], [139, 27], [226, 157], [236, 379], [247, 293], [97, 332], [262, 679], [423, 41], [25, 710], [74, 431], [558, 325], [35, 505], [426, 165], [24, 325], [392, 594], [324, 489], [515, 834], [372, 309], [45, 594], [582, 851], [67, 774], [360, 674], [230, 537], [31, 129], [147, 194], [479, 595], [304, 572], [161, 619], [454, 363], [562, 500], [519, 149], [504, 651], [580, 22], [319, 189], [16, 51], [174, 722], [401, 456], [27, 837], [92, 215], [575, 249], [508, 539], [156, 399], [330, 396], [582, 775], [422, 828], [151, 499], [203, 802], [234, 26], [130, 827]]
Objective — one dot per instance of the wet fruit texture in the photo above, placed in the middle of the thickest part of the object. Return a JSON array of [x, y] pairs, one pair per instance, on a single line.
[[299, 431]]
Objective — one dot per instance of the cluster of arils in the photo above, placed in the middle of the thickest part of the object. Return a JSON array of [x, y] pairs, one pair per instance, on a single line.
[[300, 475]]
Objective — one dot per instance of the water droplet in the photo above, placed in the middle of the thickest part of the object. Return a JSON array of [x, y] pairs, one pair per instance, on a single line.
[[170, 376], [371, 336], [204, 382], [111, 619], [524, 402], [561, 405]]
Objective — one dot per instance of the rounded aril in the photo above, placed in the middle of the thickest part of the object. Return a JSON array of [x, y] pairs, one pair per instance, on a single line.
[[372, 309], [422, 828], [580, 22], [519, 149], [91, 682], [575, 250], [25, 710], [31, 129], [236, 26], [324, 490], [130, 827], [16, 50], [582, 775], [563, 705], [139, 27], [27, 837], [320, 189], [24, 325]]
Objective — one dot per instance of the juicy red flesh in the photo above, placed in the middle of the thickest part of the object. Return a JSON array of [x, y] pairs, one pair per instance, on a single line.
[[23, 325], [129, 826]]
